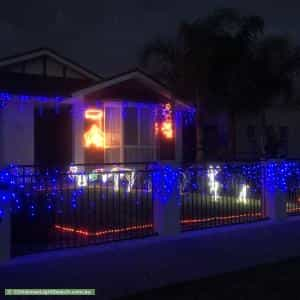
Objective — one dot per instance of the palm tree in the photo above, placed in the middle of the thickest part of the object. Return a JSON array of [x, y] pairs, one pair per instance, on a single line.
[[198, 63], [224, 63], [221, 46], [274, 68]]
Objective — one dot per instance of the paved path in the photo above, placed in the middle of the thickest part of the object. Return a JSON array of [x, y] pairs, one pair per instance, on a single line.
[[122, 268]]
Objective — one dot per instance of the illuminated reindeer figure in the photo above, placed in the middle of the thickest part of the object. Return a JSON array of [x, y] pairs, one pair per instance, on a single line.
[[243, 194], [213, 184], [117, 174]]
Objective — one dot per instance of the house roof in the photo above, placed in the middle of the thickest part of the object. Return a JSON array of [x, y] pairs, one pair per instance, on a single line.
[[134, 84], [121, 77], [36, 85], [119, 82], [53, 54]]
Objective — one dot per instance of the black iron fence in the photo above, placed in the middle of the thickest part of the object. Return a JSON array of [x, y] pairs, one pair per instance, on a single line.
[[293, 202], [55, 209], [91, 204], [221, 195]]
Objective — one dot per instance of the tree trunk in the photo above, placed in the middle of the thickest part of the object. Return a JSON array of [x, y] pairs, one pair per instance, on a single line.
[[232, 144], [263, 135]]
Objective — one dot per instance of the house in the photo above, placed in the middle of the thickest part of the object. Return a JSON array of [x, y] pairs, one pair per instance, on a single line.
[[57, 112], [282, 122]]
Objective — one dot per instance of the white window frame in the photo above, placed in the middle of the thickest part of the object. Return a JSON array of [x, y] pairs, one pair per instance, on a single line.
[[139, 146], [115, 104]]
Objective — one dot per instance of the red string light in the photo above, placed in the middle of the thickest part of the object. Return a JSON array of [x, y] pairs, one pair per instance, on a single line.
[[104, 232], [293, 210], [191, 221], [84, 232]]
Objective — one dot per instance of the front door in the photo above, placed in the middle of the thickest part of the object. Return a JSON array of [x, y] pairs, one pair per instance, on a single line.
[[53, 136]]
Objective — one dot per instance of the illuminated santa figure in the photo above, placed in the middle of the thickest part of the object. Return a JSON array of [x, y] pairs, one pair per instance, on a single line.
[[94, 136]]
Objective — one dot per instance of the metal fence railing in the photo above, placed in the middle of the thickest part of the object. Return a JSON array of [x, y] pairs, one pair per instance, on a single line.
[[293, 202], [91, 204], [69, 209], [221, 195]]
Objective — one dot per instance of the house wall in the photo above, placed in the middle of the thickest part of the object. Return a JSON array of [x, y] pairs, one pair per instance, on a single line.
[[17, 134], [282, 120], [78, 130]]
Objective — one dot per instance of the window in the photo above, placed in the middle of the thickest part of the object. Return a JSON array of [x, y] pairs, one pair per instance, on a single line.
[[130, 117], [112, 117], [147, 127], [112, 126], [112, 155], [138, 128]]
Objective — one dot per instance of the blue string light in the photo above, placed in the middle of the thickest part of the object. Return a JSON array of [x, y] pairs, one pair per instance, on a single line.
[[23, 187], [6, 98]]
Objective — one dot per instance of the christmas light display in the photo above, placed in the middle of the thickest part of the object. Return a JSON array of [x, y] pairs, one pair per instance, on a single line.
[[103, 232], [166, 180], [212, 183], [165, 123], [6, 98], [243, 194], [156, 128], [284, 176], [217, 218], [116, 174], [81, 180], [94, 136]]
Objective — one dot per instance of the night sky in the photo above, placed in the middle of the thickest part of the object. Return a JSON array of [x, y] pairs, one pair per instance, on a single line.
[[106, 35]]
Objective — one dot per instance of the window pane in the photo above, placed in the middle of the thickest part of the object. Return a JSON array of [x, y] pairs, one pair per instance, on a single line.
[[131, 154], [130, 126], [112, 155], [147, 127], [112, 126]]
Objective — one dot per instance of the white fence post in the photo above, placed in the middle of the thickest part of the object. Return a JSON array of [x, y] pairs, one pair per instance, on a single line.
[[166, 187], [5, 225], [275, 197]]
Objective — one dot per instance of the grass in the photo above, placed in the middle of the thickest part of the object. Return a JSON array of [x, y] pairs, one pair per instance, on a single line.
[[271, 281]]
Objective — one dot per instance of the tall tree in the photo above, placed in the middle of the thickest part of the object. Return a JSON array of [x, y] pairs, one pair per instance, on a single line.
[[274, 68], [224, 62]]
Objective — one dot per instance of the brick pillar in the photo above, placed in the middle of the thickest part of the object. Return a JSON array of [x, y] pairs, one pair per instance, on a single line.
[[275, 195], [166, 201], [5, 225]]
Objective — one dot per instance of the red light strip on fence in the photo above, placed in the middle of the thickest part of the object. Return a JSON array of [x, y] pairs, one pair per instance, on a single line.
[[146, 226], [104, 232], [291, 210], [191, 221]]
